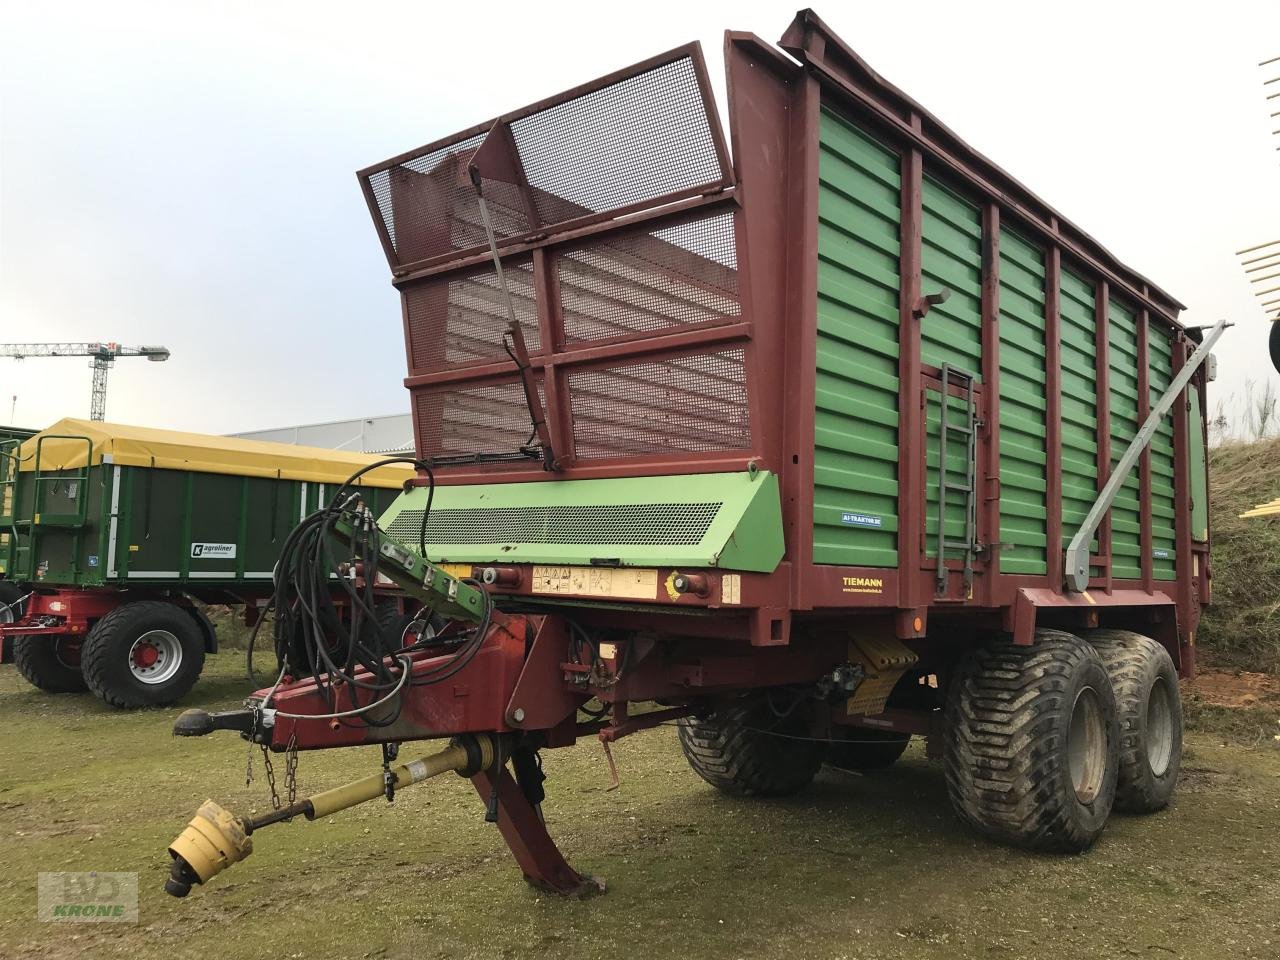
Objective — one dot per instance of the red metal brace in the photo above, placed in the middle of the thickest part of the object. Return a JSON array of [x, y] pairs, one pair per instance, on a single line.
[[526, 835]]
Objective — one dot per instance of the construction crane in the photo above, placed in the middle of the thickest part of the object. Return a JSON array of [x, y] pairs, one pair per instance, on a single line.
[[102, 356]]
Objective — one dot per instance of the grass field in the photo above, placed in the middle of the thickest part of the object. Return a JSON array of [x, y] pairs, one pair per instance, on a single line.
[[1242, 627], [871, 866]]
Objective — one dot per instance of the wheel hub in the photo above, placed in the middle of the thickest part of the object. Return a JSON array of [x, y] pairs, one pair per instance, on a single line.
[[155, 656], [1159, 726], [1087, 746]]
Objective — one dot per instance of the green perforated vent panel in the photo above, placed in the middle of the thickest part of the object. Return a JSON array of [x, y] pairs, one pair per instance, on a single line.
[[727, 520], [654, 524]]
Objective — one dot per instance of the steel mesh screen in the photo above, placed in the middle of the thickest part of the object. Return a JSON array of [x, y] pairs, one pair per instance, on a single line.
[[656, 524], [492, 418], [634, 140], [645, 137], [462, 320], [428, 204], [692, 403], [643, 282]]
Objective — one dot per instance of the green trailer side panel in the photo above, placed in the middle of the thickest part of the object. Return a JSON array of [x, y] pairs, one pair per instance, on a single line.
[[1198, 464], [1163, 501], [1079, 404], [1022, 408], [174, 528], [1126, 510], [951, 258], [727, 520], [855, 497], [951, 333]]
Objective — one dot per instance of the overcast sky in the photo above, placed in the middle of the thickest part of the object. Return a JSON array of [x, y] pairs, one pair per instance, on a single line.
[[183, 174]]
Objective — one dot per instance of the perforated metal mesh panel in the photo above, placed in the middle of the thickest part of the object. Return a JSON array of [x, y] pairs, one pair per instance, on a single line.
[[640, 138], [492, 418], [643, 282], [460, 321], [691, 403], [657, 524], [428, 204], [634, 140]]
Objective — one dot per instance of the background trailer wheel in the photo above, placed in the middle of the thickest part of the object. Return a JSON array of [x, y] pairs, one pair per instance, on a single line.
[[10, 608], [1032, 742], [866, 749], [1145, 682], [747, 749], [50, 663], [143, 654]]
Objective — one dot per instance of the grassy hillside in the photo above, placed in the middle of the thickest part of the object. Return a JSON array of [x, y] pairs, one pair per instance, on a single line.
[[1242, 628]]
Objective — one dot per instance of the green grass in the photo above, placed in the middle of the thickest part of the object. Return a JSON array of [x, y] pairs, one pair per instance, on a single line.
[[1242, 627], [872, 866]]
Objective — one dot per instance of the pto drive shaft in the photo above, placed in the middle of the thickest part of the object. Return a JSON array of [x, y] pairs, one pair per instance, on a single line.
[[216, 838]]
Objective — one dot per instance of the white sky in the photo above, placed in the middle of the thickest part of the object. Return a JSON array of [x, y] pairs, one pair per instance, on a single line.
[[183, 174]]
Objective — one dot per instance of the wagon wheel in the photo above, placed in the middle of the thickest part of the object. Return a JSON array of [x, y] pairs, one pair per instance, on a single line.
[[143, 654]]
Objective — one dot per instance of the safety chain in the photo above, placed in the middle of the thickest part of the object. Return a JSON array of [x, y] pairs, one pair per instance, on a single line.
[[271, 777], [291, 768]]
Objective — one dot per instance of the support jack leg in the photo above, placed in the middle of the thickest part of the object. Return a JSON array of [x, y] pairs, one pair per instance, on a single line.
[[526, 835]]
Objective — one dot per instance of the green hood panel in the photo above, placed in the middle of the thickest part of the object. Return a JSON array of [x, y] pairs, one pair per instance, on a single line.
[[728, 520]]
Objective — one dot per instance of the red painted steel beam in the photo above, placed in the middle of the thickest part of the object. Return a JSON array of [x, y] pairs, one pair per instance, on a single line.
[[989, 509], [468, 260], [1146, 538], [801, 315], [1102, 377], [914, 588], [1053, 416]]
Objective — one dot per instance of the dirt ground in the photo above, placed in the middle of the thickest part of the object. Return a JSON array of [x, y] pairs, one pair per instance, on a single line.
[[1233, 688], [860, 866]]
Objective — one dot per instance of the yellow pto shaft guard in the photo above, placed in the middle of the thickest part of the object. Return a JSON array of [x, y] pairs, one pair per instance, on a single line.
[[216, 838]]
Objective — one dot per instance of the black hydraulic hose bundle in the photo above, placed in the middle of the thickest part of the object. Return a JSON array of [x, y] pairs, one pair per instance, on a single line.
[[326, 625]]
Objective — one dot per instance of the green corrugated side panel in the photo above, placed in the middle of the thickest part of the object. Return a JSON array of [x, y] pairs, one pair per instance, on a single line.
[[951, 258], [1199, 468], [855, 496], [745, 534], [1126, 509], [1079, 403], [1163, 500], [1022, 408]]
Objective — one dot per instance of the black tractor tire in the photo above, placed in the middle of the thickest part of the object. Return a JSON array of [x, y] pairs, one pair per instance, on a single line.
[[1273, 344], [10, 594], [111, 665], [49, 663], [864, 749], [1146, 687], [746, 750], [392, 624], [1032, 742]]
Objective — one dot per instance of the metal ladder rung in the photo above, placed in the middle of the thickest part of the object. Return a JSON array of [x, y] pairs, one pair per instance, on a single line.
[[967, 431]]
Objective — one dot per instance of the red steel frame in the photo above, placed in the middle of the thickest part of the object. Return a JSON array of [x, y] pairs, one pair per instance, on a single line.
[[772, 189]]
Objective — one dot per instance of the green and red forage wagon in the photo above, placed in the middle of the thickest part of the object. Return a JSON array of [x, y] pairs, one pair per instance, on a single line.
[[110, 534], [811, 439]]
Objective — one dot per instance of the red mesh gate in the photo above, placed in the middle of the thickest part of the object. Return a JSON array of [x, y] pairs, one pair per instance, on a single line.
[[613, 210]]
